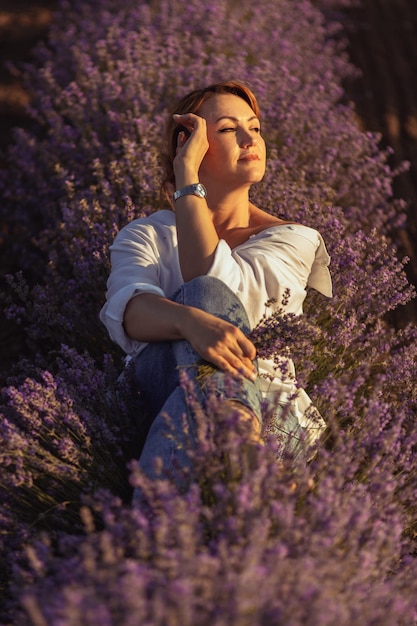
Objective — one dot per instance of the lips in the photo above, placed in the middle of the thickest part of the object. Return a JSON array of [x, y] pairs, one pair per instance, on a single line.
[[249, 157]]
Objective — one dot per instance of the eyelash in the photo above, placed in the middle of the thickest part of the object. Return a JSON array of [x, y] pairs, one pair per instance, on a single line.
[[227, 130]]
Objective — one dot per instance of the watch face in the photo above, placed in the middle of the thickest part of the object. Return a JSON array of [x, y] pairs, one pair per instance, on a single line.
[[200, 190]]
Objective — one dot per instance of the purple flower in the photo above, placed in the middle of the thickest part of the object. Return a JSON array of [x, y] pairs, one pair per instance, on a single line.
[[255, 540]]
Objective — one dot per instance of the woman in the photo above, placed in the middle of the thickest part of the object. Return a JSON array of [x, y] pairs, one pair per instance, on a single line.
[[189, 283]]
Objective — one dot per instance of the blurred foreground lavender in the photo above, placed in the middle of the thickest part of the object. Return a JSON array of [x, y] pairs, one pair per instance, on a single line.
[[329, 543]]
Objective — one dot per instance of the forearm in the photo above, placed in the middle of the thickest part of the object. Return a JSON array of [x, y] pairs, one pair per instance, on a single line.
[[149, 317], [197, 237]]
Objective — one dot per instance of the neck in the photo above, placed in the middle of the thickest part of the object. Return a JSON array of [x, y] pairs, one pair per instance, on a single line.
[[230, 211]]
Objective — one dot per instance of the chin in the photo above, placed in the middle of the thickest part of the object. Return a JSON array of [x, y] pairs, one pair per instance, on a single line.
[[257, 178]]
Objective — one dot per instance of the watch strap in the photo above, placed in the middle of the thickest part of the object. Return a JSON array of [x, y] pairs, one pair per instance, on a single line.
[[197, 189]]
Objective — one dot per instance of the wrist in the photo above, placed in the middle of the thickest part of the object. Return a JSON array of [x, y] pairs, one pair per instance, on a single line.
[[183, 320], [185, 176], [196, 189]]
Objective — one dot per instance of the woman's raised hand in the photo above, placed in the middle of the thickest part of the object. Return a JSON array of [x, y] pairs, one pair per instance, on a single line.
[[190, 149]]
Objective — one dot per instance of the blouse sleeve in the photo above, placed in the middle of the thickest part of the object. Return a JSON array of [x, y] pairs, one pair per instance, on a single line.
[[135, 269], [320, 278]]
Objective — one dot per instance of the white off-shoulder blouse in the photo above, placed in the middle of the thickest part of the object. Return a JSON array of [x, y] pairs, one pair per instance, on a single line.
[[281, 259]]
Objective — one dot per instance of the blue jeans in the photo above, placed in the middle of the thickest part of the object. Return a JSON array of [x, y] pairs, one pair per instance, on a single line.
[[156, 375]]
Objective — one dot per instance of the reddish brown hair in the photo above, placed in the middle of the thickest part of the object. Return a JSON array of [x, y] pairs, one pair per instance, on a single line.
[[191, 103]]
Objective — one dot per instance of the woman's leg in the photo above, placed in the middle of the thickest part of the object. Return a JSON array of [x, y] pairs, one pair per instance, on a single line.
[[213, 296], [157, 375]]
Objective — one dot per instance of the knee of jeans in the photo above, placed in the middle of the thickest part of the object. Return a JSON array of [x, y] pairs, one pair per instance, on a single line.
[[231, 390], [213, 296]]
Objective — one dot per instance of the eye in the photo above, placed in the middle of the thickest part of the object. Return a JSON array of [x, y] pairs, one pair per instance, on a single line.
[[227, 130], [256, 129]]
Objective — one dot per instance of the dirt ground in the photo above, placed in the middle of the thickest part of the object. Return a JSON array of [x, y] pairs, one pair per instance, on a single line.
[[382, 44]]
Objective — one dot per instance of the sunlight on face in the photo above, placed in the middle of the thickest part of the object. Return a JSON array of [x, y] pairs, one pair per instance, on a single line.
[[236, 154]]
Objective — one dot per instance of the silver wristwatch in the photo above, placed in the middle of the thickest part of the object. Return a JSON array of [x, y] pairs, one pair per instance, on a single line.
[[191, 190]]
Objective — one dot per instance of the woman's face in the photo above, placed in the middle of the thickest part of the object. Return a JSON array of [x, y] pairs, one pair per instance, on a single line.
[[237, 155]]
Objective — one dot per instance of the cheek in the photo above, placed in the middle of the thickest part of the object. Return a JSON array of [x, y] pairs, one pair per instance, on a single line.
[[208, 163], [214, 156]]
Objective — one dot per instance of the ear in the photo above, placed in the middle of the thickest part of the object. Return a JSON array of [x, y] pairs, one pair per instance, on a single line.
[[181, 139]]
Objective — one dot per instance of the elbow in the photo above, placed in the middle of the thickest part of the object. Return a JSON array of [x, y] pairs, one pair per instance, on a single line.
[[129, 319], [189, 274], [189, 271]]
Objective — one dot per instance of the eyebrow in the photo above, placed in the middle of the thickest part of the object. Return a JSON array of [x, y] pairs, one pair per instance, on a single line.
[[236, 119]]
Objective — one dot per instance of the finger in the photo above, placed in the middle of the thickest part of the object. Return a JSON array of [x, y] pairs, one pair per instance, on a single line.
[[239, 352], [243, 362], [241, 366], [226, 361], [249, 365], [189, 120], [247, 347], [248, 371], [233, 368], [181, 139]]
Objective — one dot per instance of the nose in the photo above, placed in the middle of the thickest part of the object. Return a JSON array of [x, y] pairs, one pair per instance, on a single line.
[[248, 139]]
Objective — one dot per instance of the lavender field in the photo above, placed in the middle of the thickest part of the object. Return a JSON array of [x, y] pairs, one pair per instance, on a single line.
[[329, 543]]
